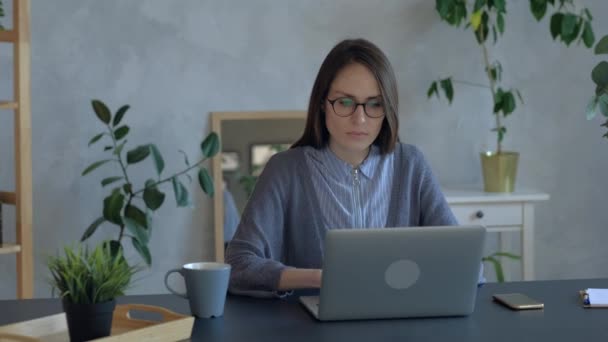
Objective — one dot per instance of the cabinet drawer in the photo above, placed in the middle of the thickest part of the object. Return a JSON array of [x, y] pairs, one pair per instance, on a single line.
[[508, 214]]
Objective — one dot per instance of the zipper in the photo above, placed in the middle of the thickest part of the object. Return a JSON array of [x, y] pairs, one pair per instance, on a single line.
[[357, 211]]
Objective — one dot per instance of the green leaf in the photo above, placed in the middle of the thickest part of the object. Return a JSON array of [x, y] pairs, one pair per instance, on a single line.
[[500, 22], [498, 100], [181, 193], [119, 115], [500, 277], [589, 16], [102, 111], [94, 166], [121, 132], [205, 182], [508, 103], [152, 197], [590, 111], [136, 215], [96, 138], [432, 90], [599, 75], [568, 29], [127, 188], [588, 36], [119, 148], [92, 228], [446, 85], [443, 7], [538, 8], [501, 132], [460, 13], [521, 99], [501, 6], [478, 5], [114, 246], [494, 35], [158, 159], [507, 255], [476, 20], [185, 158], [136, 230], [138, 154], [107, 148], [482, 32], [211, 145], [602, 46], [110, 180], [556, 25], [603, 104], [143, 251], [112, 206]]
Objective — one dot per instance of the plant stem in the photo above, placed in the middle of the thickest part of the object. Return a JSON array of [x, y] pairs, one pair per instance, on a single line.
[[124, 172], [122, 165], [472, 84], [170, 177], [486, 60], [122, 231]]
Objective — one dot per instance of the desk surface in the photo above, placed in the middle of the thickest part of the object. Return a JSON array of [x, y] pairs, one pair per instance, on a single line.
[[248, 319]]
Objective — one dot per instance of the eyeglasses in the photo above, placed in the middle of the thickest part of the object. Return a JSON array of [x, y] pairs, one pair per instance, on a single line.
[[346, 106]]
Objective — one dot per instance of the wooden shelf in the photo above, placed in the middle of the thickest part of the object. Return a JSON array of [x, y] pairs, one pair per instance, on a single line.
[[20, 103], [8, 105], [8, 36], [8, 197], [9, 248]]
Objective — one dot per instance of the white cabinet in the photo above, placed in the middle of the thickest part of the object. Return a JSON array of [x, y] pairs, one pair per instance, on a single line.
[[499, 213]]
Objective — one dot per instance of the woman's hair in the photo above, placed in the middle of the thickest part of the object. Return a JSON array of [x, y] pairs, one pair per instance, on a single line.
[[345, 53]]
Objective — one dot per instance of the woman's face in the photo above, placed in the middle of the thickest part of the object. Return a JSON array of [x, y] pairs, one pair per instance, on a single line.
[[352, 135]]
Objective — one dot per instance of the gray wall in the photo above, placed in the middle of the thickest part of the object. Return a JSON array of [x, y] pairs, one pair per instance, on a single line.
[[176, 61]]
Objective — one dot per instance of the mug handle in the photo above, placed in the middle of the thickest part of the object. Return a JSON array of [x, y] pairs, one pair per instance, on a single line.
[[183, 295]]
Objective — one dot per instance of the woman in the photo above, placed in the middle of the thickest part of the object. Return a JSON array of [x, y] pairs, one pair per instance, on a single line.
[[348, 170]]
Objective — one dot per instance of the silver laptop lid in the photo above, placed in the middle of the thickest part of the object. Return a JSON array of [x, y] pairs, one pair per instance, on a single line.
[[400, 272]]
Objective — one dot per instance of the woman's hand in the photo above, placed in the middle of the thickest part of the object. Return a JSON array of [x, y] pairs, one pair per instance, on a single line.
[[300, 278]]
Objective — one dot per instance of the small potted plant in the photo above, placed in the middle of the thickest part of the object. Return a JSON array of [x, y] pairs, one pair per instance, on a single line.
[[88, 283], [486, 19]]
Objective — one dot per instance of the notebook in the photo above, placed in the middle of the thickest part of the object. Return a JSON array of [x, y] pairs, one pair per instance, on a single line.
[[398, 272]]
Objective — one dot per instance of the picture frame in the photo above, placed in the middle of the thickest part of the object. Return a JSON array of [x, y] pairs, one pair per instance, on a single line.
[[230, 161], [261, 153]]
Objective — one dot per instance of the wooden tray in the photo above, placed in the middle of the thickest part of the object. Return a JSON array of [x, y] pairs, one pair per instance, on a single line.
[[173, 327]]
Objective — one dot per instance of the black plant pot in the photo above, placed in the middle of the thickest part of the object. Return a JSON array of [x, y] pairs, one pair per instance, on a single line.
[[88, 321]]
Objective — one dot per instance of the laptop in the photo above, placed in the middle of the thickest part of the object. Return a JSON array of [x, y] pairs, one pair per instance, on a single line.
[[398, 273]]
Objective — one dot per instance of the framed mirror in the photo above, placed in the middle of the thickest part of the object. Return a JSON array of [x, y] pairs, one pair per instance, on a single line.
[[247, 140]]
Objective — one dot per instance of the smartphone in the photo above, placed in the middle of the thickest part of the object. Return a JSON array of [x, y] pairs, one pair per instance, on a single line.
[[518, 301]]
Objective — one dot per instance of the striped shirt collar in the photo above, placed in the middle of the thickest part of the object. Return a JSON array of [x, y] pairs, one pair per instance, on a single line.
[[328, 158]]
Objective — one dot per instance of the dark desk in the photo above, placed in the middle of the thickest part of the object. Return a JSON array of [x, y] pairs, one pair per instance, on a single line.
[[247, 319]]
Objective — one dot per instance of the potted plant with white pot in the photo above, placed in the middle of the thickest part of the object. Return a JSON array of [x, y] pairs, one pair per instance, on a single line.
[[486, 20]]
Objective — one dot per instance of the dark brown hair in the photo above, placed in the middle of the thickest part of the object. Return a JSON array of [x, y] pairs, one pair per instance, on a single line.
[[345, 53]]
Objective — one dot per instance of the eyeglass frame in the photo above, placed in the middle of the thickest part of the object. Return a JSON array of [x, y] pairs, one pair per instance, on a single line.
[[357, 104]]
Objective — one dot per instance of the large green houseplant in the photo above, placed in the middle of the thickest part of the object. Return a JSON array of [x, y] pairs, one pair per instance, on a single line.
[[486, 19], [599, 102], [127, 205], [89, 283]]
